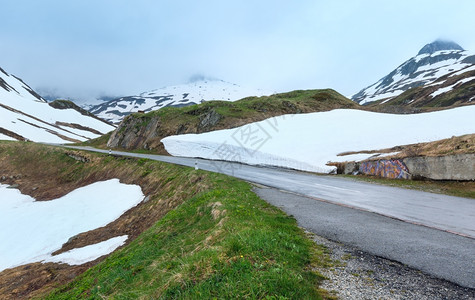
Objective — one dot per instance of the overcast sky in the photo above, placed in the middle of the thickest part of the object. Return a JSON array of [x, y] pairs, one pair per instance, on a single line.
[[80, 48]]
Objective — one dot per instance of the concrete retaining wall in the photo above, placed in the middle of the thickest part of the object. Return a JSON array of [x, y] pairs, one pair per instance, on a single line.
[[390, 168], [450, 167]]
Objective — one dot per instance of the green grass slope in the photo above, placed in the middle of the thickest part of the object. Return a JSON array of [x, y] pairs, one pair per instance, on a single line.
[[223, 243], [200, 235]]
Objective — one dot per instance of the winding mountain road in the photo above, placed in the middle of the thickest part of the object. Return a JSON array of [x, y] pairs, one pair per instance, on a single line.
[[430, 232]]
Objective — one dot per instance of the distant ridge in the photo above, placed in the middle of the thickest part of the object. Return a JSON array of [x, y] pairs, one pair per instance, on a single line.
[[199, 89]]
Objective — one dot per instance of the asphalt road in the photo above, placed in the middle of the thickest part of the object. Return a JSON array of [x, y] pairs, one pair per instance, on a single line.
[[431, 232], [438, 253]]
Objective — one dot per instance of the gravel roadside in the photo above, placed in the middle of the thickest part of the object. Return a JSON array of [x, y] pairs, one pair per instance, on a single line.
[[359, 275]]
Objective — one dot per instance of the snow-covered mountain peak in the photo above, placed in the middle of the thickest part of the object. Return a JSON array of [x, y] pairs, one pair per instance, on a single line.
[[433, 61], [439, 45], [194, 92]]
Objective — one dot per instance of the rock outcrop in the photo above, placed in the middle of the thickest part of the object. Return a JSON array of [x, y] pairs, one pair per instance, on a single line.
[[136, 133], [142, 131]]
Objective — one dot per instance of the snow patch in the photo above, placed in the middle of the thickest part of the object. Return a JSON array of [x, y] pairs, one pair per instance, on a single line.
[[472, 68], [421, 56], [6, 138], [32, 230], [436, 83], [79, 256], [443, 90], [388, 96], [363, 156], [450, 87], [466, 80]]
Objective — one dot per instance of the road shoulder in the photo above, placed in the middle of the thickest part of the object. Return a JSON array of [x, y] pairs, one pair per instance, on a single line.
[[437, 253], [358, 275]]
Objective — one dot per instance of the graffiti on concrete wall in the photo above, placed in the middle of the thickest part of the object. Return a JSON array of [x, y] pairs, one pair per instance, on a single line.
[[393, 168]]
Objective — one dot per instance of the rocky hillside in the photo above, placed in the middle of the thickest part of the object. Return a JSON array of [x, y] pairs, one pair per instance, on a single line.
[[451, 90], [435, 62], [25, 115], [144, 131], [195, 92]]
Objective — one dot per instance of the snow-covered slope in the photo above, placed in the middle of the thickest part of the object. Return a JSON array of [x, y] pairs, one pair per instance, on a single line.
[[178, 95], [308, 141], [24, 115], [456, 89], [33, 230], [433, 61]]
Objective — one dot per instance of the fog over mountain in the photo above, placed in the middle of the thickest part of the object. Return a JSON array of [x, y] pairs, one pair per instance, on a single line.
[[83, 50]]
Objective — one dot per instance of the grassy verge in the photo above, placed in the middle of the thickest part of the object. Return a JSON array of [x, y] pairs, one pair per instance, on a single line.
[[223, 243], [216, 240], [100, 142], [464, 189]]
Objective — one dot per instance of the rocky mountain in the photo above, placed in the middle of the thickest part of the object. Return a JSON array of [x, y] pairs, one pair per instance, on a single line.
[[194, 92], [25, 115], [456, 89], [435, 62]]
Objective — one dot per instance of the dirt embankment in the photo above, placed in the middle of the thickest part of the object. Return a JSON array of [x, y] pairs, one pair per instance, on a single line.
[[47, 173]]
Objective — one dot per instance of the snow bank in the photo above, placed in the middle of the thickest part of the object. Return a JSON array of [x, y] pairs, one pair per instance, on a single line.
[[82, 255], [6, 138], [308, 141], [32, 230]]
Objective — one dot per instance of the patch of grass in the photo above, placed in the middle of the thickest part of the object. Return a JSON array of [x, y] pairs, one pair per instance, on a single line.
[[464, 189], [222, 243], [100, 142]]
